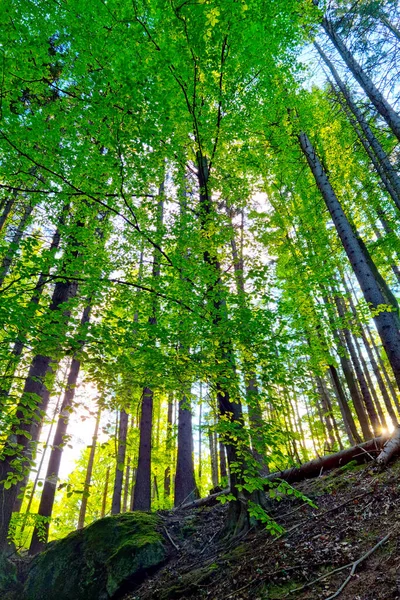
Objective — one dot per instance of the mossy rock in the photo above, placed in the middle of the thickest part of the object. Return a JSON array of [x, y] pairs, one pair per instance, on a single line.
[[9, 585], [97, 563]]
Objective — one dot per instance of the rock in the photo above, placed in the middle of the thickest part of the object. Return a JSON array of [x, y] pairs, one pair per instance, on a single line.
[[98, 561], [9, 585]]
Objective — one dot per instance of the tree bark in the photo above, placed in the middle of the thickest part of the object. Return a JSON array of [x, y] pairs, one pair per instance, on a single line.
[[119, 471], [89, 471], [185, 484], [142, 496], [15, 243], [386, 320], [381, 104], [6, 210], [372, 146]]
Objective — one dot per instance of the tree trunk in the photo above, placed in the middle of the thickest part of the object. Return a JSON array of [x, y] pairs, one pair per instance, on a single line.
[[28, 418], [119, 471], [348, 420], [168, 449], [386, 320], [105, 494], [142, 497], [381, 104], [89, 470], [6, 210], [372, 146], [15, 243], [391, 448], [185, 484]]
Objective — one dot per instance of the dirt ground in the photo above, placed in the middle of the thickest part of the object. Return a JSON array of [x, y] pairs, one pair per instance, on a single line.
[[358, 511]]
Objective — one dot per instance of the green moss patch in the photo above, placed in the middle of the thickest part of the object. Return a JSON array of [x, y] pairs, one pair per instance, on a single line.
[[96, 562]]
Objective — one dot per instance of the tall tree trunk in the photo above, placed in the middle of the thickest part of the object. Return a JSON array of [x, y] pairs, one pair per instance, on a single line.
[[28, 418], [213, 459], [238, 516], [387, 321], [222, 461], [168, 449], [6, 210], [15, 242], [89, 471], [142, 496], [372, 146], [127, 481], [119, 471], [105, 494], [365, 392], [185, 484], [381, 104], [384, 371], [348, 420]]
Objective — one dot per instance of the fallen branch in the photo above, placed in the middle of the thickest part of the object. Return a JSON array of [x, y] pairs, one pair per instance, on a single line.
[[361, 453], [353, 566], [171, 540]]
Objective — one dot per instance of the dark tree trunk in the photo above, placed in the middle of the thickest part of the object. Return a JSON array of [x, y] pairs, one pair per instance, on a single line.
[[348, 420], [366, 395], [119, 471], [89, 471], [238, 517], [6, 210], [127, 482], [15, 243], [384, 371], [142, 496], [185, 484], [381, 104], [387, 321], [28, 418]]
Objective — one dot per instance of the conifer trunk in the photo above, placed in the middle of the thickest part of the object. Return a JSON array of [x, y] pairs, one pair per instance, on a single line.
[[15, 242], [387, 320], [381, 104]]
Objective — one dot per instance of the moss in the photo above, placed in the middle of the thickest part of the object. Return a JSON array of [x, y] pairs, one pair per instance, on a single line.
[[96, 562], [189, 583], [276, 592], [9, 584]]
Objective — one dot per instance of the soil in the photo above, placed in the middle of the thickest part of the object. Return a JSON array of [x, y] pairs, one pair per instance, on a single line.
[[357, 508]]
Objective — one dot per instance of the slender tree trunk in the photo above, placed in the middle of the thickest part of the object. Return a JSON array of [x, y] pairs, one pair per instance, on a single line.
[[372, 360], [365, 392], [185, 484], [127, 481], [200, 433], [384, 371], [28, 418], [142, 496], [386, 321], [105, 494], [213, 458], [381, 104], [222, 461], [168, 449], [392, 28], [15, 243], [6, 209], [372, 146], [238, 517], [89, 471], [119, 471], [348, 420]]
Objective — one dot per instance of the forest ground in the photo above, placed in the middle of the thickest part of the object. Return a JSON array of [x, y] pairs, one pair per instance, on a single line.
[[357, 508]]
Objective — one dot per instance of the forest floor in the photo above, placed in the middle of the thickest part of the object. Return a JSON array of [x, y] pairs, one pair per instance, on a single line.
[[357, 508]]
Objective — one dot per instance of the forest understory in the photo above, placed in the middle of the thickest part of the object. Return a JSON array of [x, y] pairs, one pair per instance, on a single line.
[[357, 507], [352, 524]]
